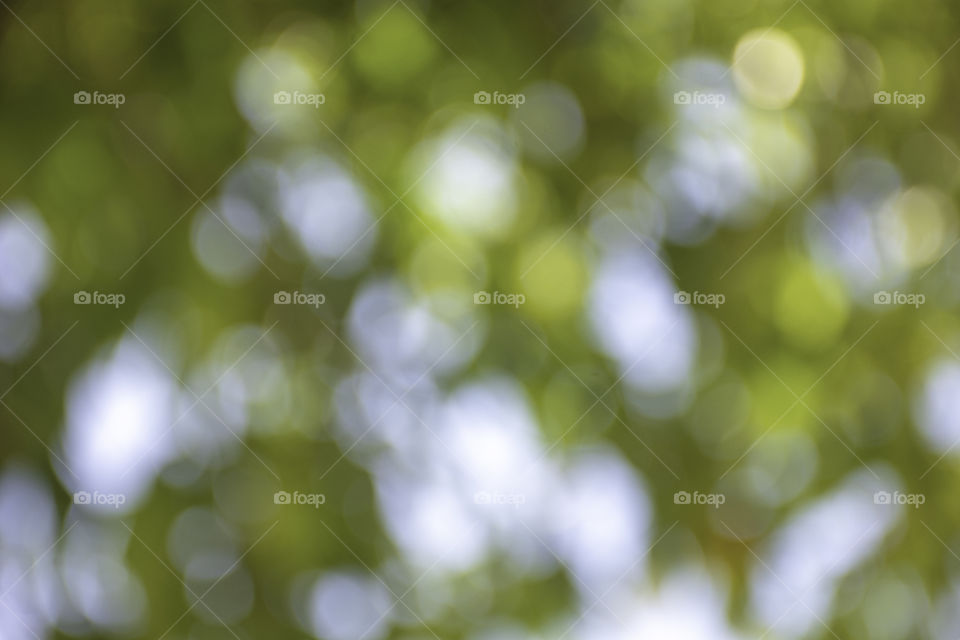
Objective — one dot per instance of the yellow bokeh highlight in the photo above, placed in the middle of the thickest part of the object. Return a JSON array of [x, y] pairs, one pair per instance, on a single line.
[[915, 225], [768, 68]]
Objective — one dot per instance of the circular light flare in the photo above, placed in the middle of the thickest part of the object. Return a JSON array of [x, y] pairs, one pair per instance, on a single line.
[[768, 68]]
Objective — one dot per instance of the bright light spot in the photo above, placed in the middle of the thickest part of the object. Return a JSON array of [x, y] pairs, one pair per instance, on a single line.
[[794, 583], [433, 524], [323, 205], [843, 235], [714, 171], [938, 409], [118, 411], [636, 322], [98, 582], [430, 490], [600, 520], [469, 180], [768, 68], [256, 84], [687, 606], [395, 331], [24, 260], [492, 435], [345, 606], [914, 226], [26, 511]]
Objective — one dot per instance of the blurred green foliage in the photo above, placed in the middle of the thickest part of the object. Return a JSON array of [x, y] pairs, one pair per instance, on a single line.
[[120, 189]]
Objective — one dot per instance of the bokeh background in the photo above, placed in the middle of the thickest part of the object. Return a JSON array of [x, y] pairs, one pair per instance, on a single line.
[[479, 320]]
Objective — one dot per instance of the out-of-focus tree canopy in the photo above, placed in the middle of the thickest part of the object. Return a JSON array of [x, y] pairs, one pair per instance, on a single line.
[[479, 320]]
